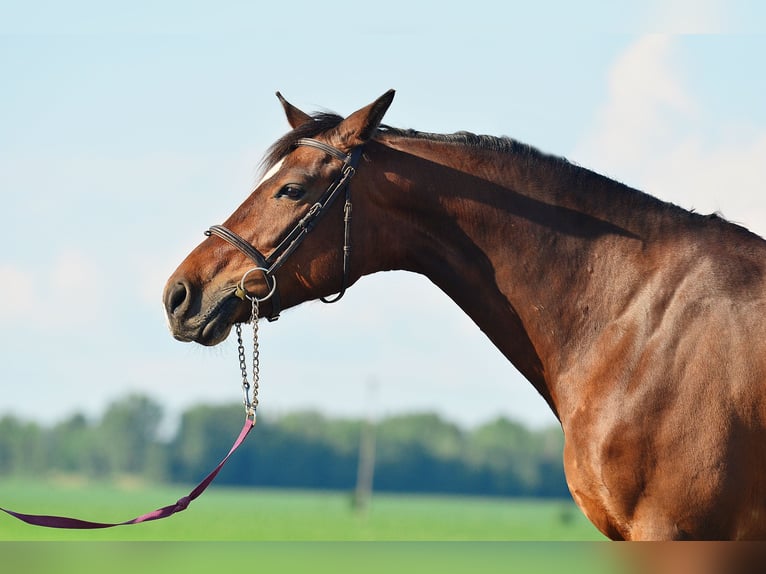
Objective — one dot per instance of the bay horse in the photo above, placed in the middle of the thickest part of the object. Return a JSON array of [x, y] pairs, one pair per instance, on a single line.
[[639, 323]]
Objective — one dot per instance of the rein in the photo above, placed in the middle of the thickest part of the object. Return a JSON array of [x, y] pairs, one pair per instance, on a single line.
[[182, 503], [269, 265]]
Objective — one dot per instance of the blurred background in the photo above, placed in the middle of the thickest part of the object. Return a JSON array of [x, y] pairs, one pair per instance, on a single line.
[[127, 131]]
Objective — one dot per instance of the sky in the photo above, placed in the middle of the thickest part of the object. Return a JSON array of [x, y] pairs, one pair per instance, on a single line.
[[126, 132]]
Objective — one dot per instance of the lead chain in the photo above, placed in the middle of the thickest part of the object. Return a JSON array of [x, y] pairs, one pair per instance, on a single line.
[[250, 404]]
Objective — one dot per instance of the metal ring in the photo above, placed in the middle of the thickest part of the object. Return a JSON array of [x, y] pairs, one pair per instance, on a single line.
[[241, 284]]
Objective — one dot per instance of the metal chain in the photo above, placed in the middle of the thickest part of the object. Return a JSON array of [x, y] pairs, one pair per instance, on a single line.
[[242, 364], [250, 404], [256, 356]]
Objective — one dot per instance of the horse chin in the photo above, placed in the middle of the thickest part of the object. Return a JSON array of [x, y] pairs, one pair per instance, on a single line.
[[214, 332], [209, 329]]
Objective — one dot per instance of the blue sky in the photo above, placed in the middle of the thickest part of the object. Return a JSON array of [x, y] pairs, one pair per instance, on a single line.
[[125, 132]]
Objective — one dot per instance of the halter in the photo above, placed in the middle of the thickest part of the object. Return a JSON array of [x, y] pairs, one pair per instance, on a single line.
[[269, 265]]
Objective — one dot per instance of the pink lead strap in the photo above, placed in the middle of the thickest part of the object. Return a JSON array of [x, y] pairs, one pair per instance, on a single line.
[[164, 512], [183, 502]]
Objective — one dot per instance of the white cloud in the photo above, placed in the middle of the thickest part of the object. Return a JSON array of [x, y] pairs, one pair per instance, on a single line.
[[723, 176], [69, 292], [645, 100], [72, 272], [689, 16], [16, 292], [653, 134]]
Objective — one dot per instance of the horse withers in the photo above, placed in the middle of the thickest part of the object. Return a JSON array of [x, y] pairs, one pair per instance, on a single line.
[[638, 322]]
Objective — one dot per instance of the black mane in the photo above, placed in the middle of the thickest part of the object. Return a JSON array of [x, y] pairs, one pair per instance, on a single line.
[[501, 144], [325, 121]]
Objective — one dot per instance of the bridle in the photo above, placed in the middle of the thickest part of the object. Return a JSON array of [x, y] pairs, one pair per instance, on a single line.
[[269, 265]]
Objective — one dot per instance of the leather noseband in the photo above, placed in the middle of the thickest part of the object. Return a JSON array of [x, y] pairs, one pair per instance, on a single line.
[[269, 265]]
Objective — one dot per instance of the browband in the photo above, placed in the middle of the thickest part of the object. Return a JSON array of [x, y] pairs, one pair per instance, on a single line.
[[269, 265]]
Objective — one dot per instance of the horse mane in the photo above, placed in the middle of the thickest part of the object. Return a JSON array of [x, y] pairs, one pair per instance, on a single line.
[[561, 165], [502, 144], [326, 121]]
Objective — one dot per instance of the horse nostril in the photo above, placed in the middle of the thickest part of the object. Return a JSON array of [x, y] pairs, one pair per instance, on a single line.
[[177, 297]]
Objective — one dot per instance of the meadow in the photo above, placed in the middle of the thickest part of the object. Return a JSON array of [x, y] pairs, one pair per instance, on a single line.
[[245, 514], [295, 531]]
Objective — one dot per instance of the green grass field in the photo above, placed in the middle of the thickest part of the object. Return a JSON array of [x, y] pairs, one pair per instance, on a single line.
[[228, 529], [235, 514]]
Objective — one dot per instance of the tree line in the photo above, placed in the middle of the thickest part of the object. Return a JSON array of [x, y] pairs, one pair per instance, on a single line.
[[413, 453]]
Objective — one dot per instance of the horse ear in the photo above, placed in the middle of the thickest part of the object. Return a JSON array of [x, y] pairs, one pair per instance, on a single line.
[[295, 117], [361, 125]]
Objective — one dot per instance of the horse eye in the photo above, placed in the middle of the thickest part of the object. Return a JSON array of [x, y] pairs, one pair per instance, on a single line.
[[291, 191]]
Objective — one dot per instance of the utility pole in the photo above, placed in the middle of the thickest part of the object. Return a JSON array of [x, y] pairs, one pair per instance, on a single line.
[[366, 467]]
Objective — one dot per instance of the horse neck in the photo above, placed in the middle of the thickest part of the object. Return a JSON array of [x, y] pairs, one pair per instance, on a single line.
[[513, 240]]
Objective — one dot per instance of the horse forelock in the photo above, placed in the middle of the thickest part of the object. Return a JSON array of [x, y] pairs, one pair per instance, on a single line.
[[321, 122]]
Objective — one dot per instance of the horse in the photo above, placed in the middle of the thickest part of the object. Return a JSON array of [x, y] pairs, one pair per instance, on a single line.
[[640, 323]]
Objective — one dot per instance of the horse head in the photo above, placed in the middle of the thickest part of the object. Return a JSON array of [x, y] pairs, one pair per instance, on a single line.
[[259, 250]]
